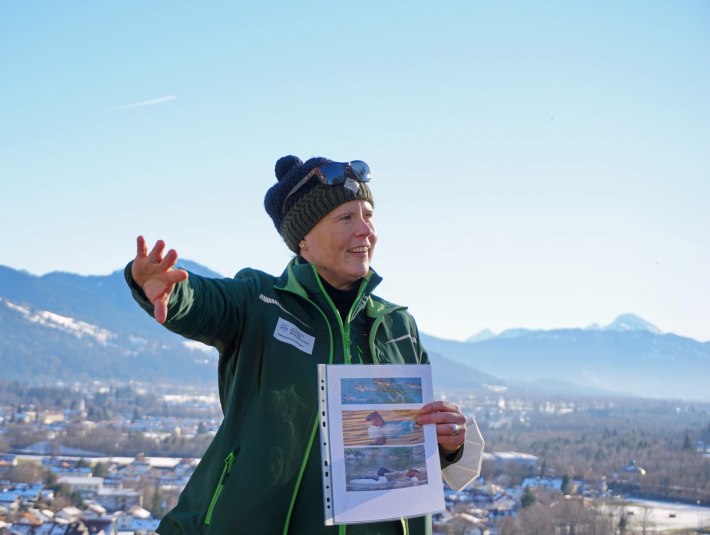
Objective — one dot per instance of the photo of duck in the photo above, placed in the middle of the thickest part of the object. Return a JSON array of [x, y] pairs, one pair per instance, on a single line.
[[368, 483], [380, 430], [385, 467], [410, 474], [381, 427]]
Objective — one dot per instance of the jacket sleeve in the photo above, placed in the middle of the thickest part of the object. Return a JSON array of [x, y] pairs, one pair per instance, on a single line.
[[423, 355], [211, 311]]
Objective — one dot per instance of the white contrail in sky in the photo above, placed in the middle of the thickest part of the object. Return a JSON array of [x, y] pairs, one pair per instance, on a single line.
[[144, 103]]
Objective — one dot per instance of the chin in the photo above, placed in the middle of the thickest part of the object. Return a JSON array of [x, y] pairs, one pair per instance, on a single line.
[[357, 269], [363, 270]]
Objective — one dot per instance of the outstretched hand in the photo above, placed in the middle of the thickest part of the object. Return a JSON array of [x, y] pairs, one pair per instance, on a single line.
[[155, 273], [450, 423]]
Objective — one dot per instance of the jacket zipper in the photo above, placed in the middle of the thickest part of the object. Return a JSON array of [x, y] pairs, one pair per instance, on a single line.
[[220, 486], [347, 358], [316, 425], [344, 324], [345, 330]]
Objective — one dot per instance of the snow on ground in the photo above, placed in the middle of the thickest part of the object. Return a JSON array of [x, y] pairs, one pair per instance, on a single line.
[[663, 517], [71, 326]]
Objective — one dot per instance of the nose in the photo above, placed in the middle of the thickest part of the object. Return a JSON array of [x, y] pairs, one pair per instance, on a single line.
[[364, 226]]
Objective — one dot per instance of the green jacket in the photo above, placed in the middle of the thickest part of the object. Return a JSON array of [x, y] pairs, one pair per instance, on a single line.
[[261, 473]]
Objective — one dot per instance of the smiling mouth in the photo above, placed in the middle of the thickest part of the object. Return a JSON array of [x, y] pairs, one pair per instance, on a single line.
[[362, 249]]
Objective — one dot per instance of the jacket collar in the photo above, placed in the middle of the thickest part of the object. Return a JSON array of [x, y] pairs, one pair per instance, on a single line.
[[301, 278]]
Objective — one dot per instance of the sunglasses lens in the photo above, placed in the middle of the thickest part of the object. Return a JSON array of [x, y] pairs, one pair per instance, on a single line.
[[333, 173], [361, 170]]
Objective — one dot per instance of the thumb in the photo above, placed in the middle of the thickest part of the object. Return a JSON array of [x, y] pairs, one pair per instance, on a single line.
[[160, 309]]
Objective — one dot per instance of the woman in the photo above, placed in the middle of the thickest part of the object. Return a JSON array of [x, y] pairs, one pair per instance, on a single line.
[[261, 473]]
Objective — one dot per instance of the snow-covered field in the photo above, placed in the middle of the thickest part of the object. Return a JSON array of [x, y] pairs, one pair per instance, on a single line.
[[663, 517]]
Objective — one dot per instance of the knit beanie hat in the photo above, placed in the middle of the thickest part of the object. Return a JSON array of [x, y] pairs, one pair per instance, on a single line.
[[309, 203]]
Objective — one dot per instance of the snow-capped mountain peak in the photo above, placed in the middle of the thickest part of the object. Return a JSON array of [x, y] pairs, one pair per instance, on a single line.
[[631, 322], [485, 334]]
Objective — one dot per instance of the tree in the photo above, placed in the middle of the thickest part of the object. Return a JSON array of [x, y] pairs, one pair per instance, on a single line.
[[26, 473], [157, 504], [50, 478], [76, 498], [687, 442], [566, 487], [101, 470], [536, 520], [645, 520], [528, 498], [623, 522]]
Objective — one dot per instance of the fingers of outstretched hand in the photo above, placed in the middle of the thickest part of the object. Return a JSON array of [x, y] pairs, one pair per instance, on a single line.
[[146, 264], [155, 256], [158, 289], [165, 262], [156, 253], [141, 247], [176, 275], [140, 268], [156, 274]]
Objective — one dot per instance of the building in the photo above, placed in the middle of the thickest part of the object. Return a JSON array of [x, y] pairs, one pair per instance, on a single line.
[[119, 499], [632, 473], [82, 484], [50, 417], [53, 528], [543, 483], [7, 461], [136, 519]]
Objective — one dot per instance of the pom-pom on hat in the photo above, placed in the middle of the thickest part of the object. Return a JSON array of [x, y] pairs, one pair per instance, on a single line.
[[305, 207]]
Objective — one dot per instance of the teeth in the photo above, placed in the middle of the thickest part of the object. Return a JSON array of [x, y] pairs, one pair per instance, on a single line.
[[359, 250]]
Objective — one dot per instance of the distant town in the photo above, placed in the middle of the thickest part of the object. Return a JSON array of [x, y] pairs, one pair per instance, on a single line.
[[110, 459]]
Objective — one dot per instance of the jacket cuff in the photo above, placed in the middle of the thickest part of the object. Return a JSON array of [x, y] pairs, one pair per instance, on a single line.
[[136, 290], [448, 458]]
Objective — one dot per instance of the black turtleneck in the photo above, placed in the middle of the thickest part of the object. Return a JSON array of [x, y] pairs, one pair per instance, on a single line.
[[342, 299]]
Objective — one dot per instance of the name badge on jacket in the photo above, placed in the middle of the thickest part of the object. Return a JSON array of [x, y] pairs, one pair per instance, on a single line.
[[289, 333]]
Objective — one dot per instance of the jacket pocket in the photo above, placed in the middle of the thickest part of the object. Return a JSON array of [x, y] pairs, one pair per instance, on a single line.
[[228, 461]]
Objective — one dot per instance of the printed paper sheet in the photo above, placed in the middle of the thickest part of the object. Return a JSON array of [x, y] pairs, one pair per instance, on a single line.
[[378, 464]]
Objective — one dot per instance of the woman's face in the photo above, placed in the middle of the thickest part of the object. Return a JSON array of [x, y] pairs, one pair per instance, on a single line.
[[341, 244]]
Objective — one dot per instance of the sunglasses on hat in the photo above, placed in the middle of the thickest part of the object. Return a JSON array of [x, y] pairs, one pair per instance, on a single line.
[[334, 174]]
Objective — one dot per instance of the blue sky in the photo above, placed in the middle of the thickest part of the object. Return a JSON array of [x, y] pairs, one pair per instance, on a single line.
[[535, 164]]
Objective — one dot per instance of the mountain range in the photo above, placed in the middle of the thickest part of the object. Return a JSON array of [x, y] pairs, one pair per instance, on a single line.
[[628, 356], [66, 328]]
